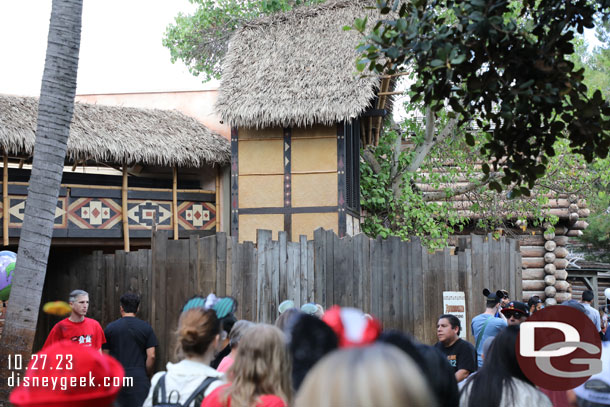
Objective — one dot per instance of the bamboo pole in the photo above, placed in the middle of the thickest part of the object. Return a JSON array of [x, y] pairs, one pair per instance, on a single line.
[[175, 202], [124, 196], [218, 198], [5, 200]]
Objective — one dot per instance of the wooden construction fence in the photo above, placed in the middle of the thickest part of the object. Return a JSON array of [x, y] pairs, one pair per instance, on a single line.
[[401, 283]]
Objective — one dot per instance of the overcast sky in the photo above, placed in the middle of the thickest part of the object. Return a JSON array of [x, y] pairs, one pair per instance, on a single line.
[[120, 52]]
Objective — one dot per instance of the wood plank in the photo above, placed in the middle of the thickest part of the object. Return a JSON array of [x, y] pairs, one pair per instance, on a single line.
[[249, 265], [146, 299], [407, 323], [108, 260], [237, 277], [375, 277], [303, 268], [229, 256], [310, 272], [512, 254], [263, 242], [273, 257], [478, 270], [330, 254], [194, 267], [221, 264], [416, 289], [319, 258], [177, 262], [358, 256], [281, 237], [159, 270], [341, 279], [425, 312], [532, 251], [396, 270], [120, 276], [518, 275], [465, 277], [97, 276], [207, 261], [387, 291], [293, 265]]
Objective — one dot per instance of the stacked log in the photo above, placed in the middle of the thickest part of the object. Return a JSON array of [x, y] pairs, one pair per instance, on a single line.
[[544, 265], [532, 257]]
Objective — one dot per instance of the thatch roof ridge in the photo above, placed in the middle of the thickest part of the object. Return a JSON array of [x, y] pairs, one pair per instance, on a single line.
[[296, 69], [119, 135], [303, 12]]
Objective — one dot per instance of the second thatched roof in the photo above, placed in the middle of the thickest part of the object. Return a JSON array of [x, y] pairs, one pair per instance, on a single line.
[[119, 135], [296, 68]]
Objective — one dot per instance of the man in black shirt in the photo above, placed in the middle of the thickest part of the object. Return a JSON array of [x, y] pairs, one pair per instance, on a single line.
[[132, 342], [460, 354]]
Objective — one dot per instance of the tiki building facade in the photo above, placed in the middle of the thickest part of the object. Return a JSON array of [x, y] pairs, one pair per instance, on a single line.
[[130, 168], [298, 110]]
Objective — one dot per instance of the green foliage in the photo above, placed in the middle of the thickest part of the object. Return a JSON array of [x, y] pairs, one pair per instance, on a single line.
[[200, 40], [597, 234], [452, 163], [408, 214], [502, 64]]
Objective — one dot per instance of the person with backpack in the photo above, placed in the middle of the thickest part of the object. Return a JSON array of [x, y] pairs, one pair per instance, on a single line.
[[187, 382], [261, 373]]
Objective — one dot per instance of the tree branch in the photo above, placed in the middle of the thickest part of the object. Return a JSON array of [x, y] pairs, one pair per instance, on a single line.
[[430, 140], [440, 195], [370, 159]]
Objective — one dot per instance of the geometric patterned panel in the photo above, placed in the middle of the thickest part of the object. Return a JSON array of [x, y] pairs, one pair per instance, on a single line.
[[196, 216], [95, 213], [85, 216], [17, 209], [142, 214]]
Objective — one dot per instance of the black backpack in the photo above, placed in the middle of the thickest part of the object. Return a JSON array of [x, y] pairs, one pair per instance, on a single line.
[[197, 395]]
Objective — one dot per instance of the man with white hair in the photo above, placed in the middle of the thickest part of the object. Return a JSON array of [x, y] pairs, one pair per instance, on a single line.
[[77, 327]]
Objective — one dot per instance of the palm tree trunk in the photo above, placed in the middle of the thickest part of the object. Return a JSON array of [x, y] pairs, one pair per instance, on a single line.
[[55, 110]]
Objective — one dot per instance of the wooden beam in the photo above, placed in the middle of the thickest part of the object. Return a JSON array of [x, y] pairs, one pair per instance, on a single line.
[[175, 202], [394, 75], [375, 113], [218, 204], [124, 197], [5, 201], [398, 92]]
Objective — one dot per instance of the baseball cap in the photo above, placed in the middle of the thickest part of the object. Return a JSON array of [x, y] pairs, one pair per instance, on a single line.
[[517, 306], [73, 384]]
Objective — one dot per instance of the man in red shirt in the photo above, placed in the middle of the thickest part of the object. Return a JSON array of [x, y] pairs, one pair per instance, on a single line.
[[77, 327]]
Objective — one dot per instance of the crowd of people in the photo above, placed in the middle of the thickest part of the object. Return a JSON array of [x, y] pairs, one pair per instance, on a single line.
[[309, 357]]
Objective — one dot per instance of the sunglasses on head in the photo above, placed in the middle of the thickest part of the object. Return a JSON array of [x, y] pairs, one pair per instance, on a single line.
[[516, 314]]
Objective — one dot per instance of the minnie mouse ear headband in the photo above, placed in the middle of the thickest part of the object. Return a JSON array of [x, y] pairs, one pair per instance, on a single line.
[[351, 326], [497, 296]]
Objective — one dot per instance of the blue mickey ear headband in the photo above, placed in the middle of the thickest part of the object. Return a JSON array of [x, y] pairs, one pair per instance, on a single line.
[[195, 302], [224, 307]]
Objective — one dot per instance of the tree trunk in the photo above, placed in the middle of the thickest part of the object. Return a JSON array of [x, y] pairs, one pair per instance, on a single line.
[[55, 111]]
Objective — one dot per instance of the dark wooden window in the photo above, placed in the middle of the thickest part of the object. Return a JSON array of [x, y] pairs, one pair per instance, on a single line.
[[352, 166]]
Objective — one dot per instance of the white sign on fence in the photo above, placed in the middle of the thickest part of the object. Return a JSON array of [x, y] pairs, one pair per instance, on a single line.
[[454, 303]]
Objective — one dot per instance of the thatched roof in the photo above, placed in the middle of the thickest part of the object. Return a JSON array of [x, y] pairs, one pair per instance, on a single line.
[[120, 135], [296, 68]]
